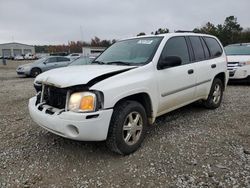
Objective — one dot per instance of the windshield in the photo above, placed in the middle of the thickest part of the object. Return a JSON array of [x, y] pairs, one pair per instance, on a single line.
[[81, 61], [130, 52], [238, 49], [40, 60]]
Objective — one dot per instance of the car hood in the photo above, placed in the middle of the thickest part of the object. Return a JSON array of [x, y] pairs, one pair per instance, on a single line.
[[26, 65], [78, 75], [238, 58]]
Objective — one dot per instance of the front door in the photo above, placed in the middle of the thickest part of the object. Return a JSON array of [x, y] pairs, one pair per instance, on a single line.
[[176, 84], [50, 63]]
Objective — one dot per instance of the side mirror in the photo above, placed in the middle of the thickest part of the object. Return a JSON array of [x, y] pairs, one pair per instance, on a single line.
[[45, 62], [218, 54], [169, 61]]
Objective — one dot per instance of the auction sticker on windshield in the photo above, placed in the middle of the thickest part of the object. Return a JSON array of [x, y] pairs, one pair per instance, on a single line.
[[145, 41]]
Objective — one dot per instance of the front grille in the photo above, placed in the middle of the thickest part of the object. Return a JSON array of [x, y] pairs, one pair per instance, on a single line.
[[231, 65], [55, 97]]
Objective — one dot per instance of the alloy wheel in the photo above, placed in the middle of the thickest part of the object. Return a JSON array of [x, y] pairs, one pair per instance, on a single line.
[[132, 128], [217, 93]]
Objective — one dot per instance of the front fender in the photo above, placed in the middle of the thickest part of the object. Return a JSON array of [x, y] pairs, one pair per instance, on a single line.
[[138, 80]]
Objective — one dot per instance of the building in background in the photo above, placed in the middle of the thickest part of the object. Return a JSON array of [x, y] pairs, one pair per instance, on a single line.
[[13, 49], [92, 51]]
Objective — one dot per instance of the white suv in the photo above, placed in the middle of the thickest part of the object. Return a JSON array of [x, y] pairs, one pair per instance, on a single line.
[[128, 86], [238, 62]]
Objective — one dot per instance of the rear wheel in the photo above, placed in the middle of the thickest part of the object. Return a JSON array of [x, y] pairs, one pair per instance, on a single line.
[[215, 96], [127, 127], [35, 71]]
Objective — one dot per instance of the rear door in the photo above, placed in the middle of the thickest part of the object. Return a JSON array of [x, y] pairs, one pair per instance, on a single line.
[[207, 64], [62, 62], [201, 57], [176, 84]]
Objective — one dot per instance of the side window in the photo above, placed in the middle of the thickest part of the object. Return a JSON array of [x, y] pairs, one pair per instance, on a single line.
[[51, 60], [176, 46], [214, 47], [60, 59], [198, 49], [207, 55]]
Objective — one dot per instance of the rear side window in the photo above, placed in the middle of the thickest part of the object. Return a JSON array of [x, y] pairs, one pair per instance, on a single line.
[[207, 55], [176, 46], [198, 48], [59, 59], [214, 47]]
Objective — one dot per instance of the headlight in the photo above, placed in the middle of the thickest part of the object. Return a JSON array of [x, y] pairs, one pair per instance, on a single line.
[[242, 64], [82, 102], [25, 67]]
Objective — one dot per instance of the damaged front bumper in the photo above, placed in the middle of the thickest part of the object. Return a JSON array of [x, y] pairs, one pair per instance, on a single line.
[[91, 126]]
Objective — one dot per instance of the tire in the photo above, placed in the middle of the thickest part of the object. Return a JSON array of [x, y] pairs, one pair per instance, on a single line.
[[124, 138], [34, 72], [215, 95]]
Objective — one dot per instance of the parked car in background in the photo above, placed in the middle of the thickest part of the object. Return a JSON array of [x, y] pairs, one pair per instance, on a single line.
[[82, 61], [238, 56], [7, 57], [19, 57], [30, 56], [130, 84], [42, 65], [41, 55], [74, 56], [59, 54]]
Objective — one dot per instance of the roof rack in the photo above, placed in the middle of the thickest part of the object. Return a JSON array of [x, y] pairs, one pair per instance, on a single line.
[[182, 31]]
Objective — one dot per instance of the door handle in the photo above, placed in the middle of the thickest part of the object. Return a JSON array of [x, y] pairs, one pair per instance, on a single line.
[[190, 71], [213, 66]]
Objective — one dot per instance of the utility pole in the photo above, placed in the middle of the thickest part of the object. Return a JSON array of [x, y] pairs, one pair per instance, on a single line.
[[81, 31]]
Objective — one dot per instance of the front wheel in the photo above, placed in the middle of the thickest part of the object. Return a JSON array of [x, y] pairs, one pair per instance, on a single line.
[[34, 72], [215, 96], [127, 127]]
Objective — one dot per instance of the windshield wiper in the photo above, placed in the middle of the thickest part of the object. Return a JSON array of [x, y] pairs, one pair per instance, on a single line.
[[98, 62], [118, 63]]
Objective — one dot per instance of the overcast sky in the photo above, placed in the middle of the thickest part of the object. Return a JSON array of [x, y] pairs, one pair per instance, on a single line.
[[59, 21]]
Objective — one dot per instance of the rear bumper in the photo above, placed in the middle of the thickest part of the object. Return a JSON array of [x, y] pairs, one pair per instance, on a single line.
[[77, 126]]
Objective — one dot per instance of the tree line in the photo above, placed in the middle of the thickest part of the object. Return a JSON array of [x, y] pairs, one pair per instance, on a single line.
[[229, 32], [73, 46]]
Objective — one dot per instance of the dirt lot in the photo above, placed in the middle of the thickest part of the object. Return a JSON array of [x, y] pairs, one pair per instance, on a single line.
[[190, 147]]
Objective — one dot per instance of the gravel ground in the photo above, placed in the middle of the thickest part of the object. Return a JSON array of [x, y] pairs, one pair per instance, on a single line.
[[190, 147]]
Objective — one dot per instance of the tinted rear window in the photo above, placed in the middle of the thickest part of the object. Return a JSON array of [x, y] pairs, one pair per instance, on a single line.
[[214, 47], [62, 59], [198, 49], [207, 55]]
